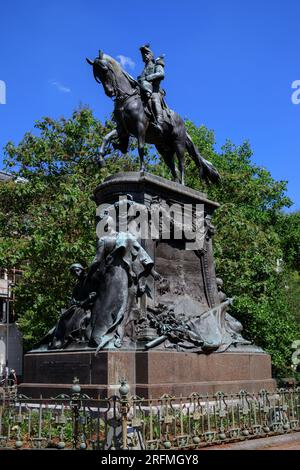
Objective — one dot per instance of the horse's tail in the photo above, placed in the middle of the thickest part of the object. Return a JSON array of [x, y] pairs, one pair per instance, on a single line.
[[207, 171]]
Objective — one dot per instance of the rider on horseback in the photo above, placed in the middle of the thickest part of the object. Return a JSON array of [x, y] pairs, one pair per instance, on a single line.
[[149, 81], [133, 118]]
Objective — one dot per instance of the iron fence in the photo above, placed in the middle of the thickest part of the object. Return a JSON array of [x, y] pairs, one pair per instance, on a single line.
[[197, 421], [76, 421]]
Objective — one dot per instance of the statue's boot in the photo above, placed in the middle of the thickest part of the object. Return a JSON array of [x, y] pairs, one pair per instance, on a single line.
[[159, 118], [158, 123]]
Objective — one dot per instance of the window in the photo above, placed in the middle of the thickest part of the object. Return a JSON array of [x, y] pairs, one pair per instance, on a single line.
[[2, 273], [2, 310]]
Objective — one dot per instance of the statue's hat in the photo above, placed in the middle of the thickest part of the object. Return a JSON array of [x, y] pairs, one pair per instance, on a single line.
[[145, 48]]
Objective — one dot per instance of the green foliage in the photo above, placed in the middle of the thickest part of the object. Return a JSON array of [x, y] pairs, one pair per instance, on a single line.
[[289, 229], [48, 223], [292, 288]]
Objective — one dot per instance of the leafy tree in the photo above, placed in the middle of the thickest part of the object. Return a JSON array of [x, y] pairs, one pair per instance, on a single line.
[[288, 227], [289, 230]]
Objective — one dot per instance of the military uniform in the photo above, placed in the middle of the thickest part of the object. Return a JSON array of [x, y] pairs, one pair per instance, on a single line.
[[149, 81]]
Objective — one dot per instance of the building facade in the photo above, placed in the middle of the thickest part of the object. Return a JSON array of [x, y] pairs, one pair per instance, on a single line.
[[11, 349]]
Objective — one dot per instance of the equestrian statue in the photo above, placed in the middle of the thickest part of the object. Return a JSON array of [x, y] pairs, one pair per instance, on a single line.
[[141, 111]]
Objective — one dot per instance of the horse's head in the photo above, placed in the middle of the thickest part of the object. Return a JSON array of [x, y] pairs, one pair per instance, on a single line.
[[110, 73], [102, 73]]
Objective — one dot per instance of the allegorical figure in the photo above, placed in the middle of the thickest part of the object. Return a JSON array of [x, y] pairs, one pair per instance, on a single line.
[[232, 325], [120, 266], [73, 322], [149, 80]]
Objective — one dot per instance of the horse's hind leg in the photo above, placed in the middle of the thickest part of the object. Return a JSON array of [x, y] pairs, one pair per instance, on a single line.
[[180, 149], [169, 160]]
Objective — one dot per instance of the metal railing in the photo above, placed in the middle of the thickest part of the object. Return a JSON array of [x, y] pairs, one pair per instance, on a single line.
[[76, 421], [197, 421]]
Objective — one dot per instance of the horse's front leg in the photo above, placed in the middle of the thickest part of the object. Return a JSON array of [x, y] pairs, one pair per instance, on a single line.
[[141, 146], [100, 157]]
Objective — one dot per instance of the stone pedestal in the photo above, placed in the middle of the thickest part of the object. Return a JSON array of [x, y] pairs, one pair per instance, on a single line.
[[149, 373], [189, 290], [50, 373], [185, 373]]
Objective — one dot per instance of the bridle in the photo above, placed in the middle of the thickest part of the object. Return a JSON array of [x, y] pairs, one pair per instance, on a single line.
[[121, 97]]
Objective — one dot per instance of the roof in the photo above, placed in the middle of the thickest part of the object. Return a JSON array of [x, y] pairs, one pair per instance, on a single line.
[[5, 176]]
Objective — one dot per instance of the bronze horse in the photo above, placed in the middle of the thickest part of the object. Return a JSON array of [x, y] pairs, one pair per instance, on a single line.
[[132, 119]]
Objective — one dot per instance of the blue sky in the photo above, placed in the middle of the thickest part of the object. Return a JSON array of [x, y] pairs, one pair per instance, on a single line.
[[229, 65]]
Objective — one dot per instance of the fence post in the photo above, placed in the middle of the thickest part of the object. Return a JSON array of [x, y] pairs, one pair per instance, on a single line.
[[75, 405], [124, 390]]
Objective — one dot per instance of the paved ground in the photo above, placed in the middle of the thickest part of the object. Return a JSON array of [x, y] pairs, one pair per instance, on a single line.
[[285, 442]]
